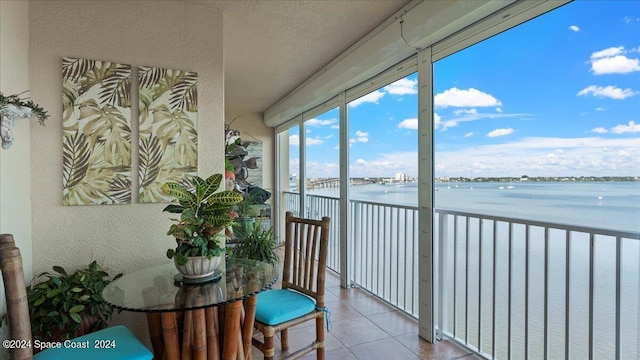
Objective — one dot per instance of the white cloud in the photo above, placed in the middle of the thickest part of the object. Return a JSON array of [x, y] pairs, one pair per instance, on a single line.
[[535, 156], [499, 110], [313, 141], [465, 111], [294, 140], [317, 122], [607, 91], [449, 124], [361, 137], [578, 157], [402, 87], [411, 124], [632, 127], [574, 28], [335, 127], [436, 120], [599, 130], [386, 165], [500, 132], [629, 19], [600, 108], [369, 98], [294, 166], [465, 98], [613, 61], [609, 52], [322, 170], [469, 134], [619, 64]]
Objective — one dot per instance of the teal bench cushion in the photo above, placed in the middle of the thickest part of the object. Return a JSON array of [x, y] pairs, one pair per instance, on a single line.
[[278, 306], [127, 346]]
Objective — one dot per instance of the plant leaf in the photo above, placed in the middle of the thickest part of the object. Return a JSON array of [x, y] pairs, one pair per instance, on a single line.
[[116, 87], [40, 301], [75, 159], [76, 317], [205, 189], [184, 94], [74, 69], [76, 309], [150, 158], [150, 76], [60, 270], [53, 292], [225, 198], [179, 192], [120, 188], [174, 209]]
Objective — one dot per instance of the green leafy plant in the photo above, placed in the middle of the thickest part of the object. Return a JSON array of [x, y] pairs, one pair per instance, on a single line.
[[16, 100], [258, 244], [58, 301], [247, 213], [204, 214], [247, 207]]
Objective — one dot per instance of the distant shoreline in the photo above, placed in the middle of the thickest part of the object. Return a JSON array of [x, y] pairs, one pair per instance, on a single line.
[[542, 179], [323, 183]]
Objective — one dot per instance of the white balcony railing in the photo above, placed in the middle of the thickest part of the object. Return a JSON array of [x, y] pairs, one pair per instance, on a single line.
[[507, 288]]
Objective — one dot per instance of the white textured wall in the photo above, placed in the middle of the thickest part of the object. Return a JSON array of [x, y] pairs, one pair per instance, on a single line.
[[15, 197], [167, 34]]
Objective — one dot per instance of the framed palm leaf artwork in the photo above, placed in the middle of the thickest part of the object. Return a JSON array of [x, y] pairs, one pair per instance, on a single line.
[[96, 151], [168, 103]]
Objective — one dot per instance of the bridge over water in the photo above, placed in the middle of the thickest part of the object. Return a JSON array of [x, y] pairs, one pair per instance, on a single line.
[[335, 182]]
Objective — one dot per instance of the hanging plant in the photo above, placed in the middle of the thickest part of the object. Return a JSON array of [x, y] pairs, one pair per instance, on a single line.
[[14, 108], [19, 102]]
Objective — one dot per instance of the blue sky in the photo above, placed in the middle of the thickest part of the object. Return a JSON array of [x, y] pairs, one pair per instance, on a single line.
[[558, 95]]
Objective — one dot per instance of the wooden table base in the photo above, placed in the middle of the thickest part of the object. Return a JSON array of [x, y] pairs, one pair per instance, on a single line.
[[204, 333]]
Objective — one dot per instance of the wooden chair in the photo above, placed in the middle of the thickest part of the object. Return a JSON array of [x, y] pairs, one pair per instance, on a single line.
[[127, 345], [303, 284]]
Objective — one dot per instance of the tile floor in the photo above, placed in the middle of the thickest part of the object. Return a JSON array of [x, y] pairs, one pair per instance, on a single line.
[[363, 327]]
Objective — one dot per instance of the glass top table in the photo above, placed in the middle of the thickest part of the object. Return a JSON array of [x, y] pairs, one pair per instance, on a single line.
[[158, 289], [193, 310]]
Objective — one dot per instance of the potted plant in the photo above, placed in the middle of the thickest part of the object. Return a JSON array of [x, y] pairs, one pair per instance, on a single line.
[[258, 244], [14, 108], [205, 216], [243, 223], [63, 306]]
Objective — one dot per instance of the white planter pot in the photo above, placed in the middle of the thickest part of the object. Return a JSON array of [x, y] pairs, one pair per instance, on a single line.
[[8, 117], [198, 267]]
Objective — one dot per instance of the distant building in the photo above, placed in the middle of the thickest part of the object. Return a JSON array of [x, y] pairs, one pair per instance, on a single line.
[[401, 177]]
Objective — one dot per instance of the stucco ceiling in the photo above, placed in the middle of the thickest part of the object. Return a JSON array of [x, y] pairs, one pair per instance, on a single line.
[[270, 47]]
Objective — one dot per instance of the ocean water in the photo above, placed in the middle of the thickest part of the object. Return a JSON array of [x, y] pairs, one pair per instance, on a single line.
[[608, 205], [605, 205]]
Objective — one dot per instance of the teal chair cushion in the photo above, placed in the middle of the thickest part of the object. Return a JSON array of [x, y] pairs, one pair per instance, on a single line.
[[115, 342], [278, 306]]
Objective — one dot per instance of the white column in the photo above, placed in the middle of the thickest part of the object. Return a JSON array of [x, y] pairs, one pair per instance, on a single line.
[[426, 281]]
